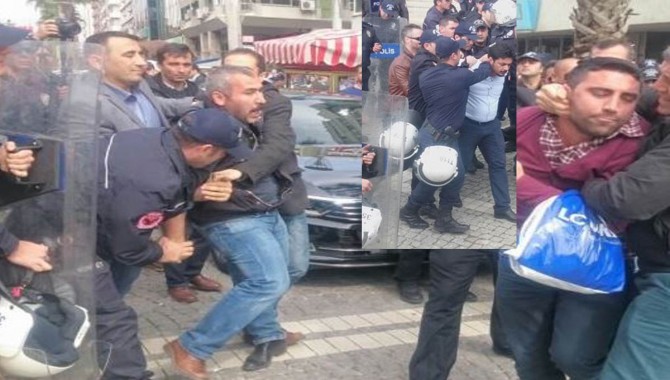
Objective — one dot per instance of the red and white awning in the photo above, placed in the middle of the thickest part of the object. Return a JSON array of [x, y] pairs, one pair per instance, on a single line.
[[319, 47]]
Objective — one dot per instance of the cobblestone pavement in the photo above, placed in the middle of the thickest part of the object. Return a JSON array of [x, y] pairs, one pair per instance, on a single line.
[[477, 211], [356, 327]]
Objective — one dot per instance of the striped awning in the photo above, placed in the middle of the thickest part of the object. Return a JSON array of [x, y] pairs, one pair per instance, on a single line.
[[327, 47]]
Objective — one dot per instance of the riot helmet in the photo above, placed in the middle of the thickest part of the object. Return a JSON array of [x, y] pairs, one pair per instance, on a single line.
[[401, 139], [437, 165]]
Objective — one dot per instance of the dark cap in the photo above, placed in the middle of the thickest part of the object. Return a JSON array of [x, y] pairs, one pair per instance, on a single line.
[[216, 127], [427, 36], [467, 30], [535, 57], [446, 46], [479, 24], [390, 7], [10, 35], [650, 74]]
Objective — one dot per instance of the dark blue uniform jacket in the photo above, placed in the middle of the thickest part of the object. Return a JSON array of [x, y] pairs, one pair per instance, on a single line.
[[143, 180], [445, 89]]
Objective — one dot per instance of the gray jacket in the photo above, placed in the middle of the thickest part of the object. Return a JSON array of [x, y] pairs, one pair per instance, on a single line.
[[116, 117]]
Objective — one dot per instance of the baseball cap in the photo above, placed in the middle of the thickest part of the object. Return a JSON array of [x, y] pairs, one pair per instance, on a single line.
[[446, 46], [10, 35], [479, 24], [650, 73], [534, 56], [467, 30], [216, 127], [389, 7], [428, 36]]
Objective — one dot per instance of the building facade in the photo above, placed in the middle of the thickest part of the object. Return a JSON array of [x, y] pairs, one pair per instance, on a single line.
[[210, 27], [545, 26], [108, 15]]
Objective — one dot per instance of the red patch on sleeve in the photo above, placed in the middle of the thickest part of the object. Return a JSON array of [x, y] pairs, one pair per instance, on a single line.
[[150, 220]]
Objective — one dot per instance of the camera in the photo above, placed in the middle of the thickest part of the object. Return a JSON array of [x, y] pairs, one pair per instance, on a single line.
[[67, 28]]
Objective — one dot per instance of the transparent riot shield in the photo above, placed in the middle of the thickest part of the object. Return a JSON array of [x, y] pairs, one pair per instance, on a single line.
[[48, 102], [383, 117], [388, 33]]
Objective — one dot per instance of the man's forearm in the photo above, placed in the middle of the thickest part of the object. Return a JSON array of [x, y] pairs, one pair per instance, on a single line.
[[175, 228]]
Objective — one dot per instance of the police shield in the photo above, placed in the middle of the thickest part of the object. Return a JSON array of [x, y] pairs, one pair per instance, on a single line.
[[388, 33], [385, 136], [48, 107]]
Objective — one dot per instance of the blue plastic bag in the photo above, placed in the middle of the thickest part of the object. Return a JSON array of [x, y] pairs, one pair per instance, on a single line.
[[566, 245]]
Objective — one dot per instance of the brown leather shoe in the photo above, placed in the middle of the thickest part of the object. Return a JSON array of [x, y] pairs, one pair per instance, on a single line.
[[182, 294], [293, 337], [184, 363], [205, 284]]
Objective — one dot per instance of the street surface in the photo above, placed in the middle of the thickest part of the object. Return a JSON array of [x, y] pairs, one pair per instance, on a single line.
[[356, 328], [485, 231]]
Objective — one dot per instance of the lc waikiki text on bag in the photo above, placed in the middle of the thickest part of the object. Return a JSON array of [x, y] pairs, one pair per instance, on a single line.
[[566, 245]]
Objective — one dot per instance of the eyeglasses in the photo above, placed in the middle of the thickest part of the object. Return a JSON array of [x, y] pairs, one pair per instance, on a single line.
[[414, 38]]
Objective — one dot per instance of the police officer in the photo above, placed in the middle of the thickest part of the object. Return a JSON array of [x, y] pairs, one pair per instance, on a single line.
[[145, 182], [19, 252], [17, 163], [424, 59], [439, 9], [370, 44], [445, 91], [481, 44]]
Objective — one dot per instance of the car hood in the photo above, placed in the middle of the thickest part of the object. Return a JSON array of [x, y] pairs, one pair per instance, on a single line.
[[331, 171]]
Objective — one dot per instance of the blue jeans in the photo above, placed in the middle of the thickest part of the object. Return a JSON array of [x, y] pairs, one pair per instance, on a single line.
[[298, 246], [255, 248], [450, 194], [641, 348], [489, 138], [124, 276], [555, 333]]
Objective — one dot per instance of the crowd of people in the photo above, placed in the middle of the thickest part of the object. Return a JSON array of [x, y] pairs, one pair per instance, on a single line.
[[457, 71], [597, 124], [457, 92], [211, 165]]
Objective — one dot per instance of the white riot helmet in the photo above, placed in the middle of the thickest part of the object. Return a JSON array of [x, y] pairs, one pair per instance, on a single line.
[[40, 336], [437, 165], [505, 12], [371, 220], [401, 139]]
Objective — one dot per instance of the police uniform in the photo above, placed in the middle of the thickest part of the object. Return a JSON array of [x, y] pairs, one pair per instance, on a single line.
[[433, 17], [144, 180], [445, 91]]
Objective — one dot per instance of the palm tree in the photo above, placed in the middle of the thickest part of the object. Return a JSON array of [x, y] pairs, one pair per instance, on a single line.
[[594, 20]]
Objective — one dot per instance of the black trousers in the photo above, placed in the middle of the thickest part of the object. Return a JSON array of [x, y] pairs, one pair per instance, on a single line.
[[119, 349], [409, 264], [451, 274]]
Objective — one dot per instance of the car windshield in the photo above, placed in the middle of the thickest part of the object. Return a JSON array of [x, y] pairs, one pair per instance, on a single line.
[[326, 121]]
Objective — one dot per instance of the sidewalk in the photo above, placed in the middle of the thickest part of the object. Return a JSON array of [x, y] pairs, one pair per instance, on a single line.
[[355, 324]]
